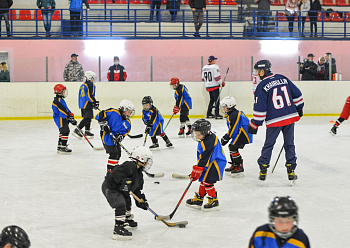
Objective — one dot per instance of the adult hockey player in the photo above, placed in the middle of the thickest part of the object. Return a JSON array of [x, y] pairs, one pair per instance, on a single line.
[[237, 124], [115, 125], [212, 77], [211, 162], [282, 229], [62, 116], [343, 116], [183, 105], [279, 103], [87, 102], [154, 123], [116, 188], [15, 237]]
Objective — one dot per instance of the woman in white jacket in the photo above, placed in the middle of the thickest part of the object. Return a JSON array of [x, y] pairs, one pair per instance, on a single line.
[[304, 8]]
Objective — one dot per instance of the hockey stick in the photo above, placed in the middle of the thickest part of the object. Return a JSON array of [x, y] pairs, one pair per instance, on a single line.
[[228, 68], [144, 142], [93, 147], [148, 174], [277, 159], [168, 217], [180, 224], [135, 136], [178, 176], [168, 122]]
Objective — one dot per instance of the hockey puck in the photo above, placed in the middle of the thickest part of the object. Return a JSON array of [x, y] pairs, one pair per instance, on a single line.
[[182, 226], [157, 182]]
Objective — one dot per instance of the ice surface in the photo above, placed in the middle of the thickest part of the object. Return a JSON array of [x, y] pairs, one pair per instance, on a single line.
[[57, 199]]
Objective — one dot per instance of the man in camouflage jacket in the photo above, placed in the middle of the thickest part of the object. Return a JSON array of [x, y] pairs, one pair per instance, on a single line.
[[74, 70]]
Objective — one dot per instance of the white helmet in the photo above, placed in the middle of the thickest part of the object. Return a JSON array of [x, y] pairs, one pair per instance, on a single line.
[[143, 155], [229, 102], [127, 105], [90, 75]]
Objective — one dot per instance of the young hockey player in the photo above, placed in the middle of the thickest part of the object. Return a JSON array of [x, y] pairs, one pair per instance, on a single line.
[[183, 105], [14, 237], [279, 103], [116, 188], [87, 102], [62, 116], [209, 168], [115, 125], [282, 229], [343, 116], [154, 123], [237, 124]]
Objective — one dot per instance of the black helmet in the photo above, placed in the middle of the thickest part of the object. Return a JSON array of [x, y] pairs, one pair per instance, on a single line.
[[201, 125], [147, 99], [15, 236], [283, 207], [263, 64]]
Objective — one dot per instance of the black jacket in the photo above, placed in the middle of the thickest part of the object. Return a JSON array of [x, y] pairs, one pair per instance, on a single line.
[[308, 74], [198, 4], [315, 6], [5, 4], [326, 69]]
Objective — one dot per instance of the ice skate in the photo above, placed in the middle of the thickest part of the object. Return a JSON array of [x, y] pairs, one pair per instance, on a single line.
[[229, 169], [130, 224], [76, 133], [189, 131], [238, 171], [219, 117], [333, 130], [195, 202], [181, 132], [61, 149], [169, 144], [88, 134], [210, 116], [120, 233], [263, 172], [212, 205], [292, 177], [155, 146]]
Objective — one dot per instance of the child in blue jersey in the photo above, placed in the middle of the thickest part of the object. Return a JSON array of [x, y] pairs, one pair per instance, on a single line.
[[282, 229], [279, 103], [87, 102], [62, 116], [211, 162], [183, 105], [154, 123], [115, 125], [237, 124]]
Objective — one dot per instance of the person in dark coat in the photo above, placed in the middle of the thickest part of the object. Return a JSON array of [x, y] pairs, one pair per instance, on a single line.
[[173, 6], [326, 67], [155, 4], [308, 69], [4, 13], [198, 8], [75, 9], [315, 7], [116, 72]]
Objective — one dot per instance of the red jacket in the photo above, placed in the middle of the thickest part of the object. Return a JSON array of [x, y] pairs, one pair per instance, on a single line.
[[116, 73]]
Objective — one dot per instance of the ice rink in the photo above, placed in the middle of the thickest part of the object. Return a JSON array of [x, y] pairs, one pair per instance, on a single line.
[[57, 199]]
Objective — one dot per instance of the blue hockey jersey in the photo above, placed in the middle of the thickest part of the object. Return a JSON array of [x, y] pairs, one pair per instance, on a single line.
[[264, 237], [153, 117], [117, 122], [211, 156], [87, 95], [182, 97], [60, 111], [237, 124], [277, 101]]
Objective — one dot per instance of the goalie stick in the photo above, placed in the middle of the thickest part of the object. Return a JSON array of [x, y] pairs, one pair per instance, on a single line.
[[169, 224], [178, 176], [93, 147]]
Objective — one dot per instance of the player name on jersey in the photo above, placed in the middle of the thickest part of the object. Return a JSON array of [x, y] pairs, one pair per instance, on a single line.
[[274, 83]]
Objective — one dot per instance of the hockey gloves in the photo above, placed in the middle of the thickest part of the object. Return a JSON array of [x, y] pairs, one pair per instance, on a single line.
[[252, 128], [143, 204], [223, 84], [72, 120], [148, 129], [176, 110], [196, 172], [96, 105], [300, 113], [105, 127], [224, 141], [117, 138]]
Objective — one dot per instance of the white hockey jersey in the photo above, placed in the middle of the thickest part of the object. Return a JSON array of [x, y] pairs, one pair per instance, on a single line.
[[211, 76]]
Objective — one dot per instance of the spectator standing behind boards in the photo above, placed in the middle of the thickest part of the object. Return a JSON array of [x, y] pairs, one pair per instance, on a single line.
[[116, 72], [15, 237], [291, 9], [263, 14], [155, 4], [304, 6], [326, 66], [47, 9], [198, 8], [308, 69], [173, 6], [74, 70], [320, 68], [4, 13], [315, 6], [4, 73], [75, 9]]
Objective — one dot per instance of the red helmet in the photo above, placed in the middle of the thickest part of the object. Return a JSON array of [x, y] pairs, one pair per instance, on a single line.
[[174, 81], [60, 89]]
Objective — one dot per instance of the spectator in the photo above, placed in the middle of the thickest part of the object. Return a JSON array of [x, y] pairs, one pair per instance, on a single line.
[[4, 13], [4, 73], [46, 7], [320, 68], [155, 4], [326, 67], [198, 8], [75, 9], [74, 70], [116, 72], [291, 9], [308, 69], [263, 15], [14, 236], [315, 6], [173, 6], [304, 6]]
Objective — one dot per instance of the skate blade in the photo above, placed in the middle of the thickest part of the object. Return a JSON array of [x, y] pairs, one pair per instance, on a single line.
[[89, 137], [120, 237], [237, 175], [211, 209], [193, 206], [77, 136], [154, 149], [333, 134], [182, 136], [64, 153], [130, 228], [170, 147]]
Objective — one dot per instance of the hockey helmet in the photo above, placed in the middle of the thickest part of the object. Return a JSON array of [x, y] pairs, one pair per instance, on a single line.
[[229, 102], [262, 64], [90, 76], [127, 105], [174, 81], [201, 125], [144, 155], [15, 236], [283, 207], [147, 99], [60, 89]]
